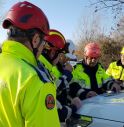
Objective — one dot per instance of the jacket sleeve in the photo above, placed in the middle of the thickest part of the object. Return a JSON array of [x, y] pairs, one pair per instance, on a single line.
[[75, 90], [65, 111], [107, 80], [63, 81], [109, 70]]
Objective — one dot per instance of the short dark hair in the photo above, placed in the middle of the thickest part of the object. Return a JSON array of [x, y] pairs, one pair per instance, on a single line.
[[22, 36]]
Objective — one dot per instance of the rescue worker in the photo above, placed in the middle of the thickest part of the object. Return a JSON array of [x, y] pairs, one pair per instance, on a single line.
[[26, 98], [90, 74], [52, 56], [116, 69]]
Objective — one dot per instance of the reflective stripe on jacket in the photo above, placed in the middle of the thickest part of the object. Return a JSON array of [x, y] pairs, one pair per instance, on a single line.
[[25, 101]]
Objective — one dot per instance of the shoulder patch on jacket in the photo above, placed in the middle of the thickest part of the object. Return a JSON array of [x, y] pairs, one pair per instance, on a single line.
[[50, 101]]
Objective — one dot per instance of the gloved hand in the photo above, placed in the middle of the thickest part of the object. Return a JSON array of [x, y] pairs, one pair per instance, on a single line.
[[122, 85], [91, 94], [115, 87], [77, 102]]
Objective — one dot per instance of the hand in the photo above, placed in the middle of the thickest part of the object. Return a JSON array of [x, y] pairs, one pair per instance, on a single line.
[[119, 82], [77, 102], [68, 67], [60, 58], [122, 85], [55, 61], [115, 87], [91, 94]]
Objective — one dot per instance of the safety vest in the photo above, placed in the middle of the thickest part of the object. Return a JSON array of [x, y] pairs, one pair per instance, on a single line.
[[55, 73], [83, 79], [116, 71], [25, 100]]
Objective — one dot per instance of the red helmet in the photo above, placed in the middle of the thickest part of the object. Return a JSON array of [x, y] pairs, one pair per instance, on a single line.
[[92, 50], [56, 39], [25, 15]]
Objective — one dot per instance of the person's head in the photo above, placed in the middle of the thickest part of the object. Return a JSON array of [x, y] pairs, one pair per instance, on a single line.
[[122, 56], [27, 24], [91, 54], [55, 43], [70, 46]]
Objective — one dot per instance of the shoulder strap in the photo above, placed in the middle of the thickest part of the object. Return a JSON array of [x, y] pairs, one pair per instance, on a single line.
[[38, 72]]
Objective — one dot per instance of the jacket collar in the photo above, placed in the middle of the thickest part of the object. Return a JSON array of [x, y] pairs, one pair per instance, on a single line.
[[19, 50]]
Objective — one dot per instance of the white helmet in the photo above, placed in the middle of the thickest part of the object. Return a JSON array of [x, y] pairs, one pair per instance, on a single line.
[[71, 46]]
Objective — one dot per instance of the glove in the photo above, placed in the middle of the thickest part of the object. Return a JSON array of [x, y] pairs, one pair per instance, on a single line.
[[115, 87], [77, 102], [91, 94]]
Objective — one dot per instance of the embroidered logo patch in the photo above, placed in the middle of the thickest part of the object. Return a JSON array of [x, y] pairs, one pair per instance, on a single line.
[[50, 101]]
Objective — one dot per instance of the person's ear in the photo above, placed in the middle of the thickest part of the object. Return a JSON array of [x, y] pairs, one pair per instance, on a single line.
[[35, 40]]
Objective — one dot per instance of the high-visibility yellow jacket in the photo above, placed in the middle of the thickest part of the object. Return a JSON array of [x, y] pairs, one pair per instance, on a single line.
[[61, 80], [80, 76], [25, 101], [116, 70]]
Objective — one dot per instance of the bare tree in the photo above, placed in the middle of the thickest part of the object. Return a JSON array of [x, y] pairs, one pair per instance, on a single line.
[[118, 31], [92, 31], [117, 6], [120, 26], [89, 28]]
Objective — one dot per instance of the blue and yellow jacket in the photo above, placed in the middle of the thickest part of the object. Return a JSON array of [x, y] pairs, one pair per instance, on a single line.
[[91, 78], [61, 79]]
